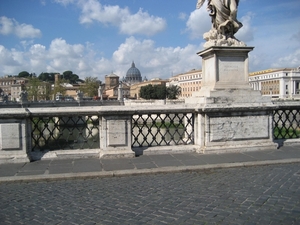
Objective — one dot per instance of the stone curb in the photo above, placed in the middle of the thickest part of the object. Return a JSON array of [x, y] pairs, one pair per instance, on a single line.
[[119, 173]]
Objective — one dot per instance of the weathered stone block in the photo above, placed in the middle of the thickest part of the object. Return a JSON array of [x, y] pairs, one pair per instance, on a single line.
[[231, 69], [239, 128], [10, 136], [117, 135]]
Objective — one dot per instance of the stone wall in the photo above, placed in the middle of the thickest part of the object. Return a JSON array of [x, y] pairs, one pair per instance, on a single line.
[[152, 102], [216, 129]]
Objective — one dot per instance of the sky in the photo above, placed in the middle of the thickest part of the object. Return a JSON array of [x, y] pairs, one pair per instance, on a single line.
[[94, 38]]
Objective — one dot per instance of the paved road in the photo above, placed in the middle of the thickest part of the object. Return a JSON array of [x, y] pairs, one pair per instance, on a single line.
[[252, 195]]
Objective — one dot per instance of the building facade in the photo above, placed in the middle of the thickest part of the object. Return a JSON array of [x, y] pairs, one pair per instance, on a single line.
[[133, 75], [188, 82], [12, 86], [277, 83], [112, 85]]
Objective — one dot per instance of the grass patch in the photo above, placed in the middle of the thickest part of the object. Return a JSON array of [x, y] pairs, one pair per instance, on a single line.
[[283, 133]]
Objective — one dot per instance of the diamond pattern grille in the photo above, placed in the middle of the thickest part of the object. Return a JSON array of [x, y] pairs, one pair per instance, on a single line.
[[286, 123], [65, 133], [162, 129], [82, 132]]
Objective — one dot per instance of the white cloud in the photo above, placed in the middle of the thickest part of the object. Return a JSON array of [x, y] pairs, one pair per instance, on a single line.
[[60, 48], [37, 56], [292, 60], [7, 57], [63, 56], [10, 60], [65, 2], [246, 33], [152, 61], [182, 16], [43, 2], [11, 26], [155, 61], [198, 23], [138, 23], [59, 57], [6, 25], [142, 23]]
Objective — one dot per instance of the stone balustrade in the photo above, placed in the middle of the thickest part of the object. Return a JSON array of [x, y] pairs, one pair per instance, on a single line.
[[43, 104], [25, 135]]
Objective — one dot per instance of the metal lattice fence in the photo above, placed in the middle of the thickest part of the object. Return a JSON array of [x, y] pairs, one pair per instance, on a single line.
[[65, 133], [162, 129], [286, 123], [152, 129]]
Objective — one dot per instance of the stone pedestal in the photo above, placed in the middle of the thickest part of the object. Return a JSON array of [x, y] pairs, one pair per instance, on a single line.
[[115, 136], [13, 141], [234, 129], [225, 77], [231, 115]]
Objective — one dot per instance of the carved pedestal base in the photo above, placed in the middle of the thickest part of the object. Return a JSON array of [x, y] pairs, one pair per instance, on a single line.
[[236, 129], [115, 137], [225, 77], [13, 142], [232, 116]]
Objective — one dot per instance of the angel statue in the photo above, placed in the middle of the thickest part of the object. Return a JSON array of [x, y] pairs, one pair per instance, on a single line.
[[224, 22]]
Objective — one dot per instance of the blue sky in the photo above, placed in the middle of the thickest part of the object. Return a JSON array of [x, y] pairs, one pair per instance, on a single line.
[[96, 37]]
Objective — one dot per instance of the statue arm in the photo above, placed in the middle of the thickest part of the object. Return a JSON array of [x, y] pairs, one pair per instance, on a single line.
[[233, 9]]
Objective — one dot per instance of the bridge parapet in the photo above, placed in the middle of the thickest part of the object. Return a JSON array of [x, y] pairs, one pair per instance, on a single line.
[[125, 131]]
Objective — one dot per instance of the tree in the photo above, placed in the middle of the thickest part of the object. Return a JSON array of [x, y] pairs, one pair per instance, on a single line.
[[161, 91], [49, 77], [70, 76], [145, 91], [173, 92], [45, 93], [59, 88], [32, 89], [153, 92], [24, 74], [90, 87]]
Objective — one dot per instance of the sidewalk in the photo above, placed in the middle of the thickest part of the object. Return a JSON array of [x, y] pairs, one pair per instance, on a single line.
[[145, 164]]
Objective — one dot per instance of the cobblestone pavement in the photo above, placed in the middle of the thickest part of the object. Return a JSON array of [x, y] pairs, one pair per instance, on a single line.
[[248, 195]]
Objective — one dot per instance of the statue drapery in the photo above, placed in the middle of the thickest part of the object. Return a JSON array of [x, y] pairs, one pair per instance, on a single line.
[[224, 19]]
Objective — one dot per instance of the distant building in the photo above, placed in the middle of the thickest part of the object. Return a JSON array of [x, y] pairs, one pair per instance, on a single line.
[[277, 83], [188, 82], [133, 75], [12, 86], [15, 91], [112, 83], [43, 91], [70, 90]]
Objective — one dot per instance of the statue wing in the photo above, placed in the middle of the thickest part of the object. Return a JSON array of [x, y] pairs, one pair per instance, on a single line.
[[200, 3]]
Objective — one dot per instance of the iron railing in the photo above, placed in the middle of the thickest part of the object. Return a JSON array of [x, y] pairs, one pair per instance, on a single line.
[[286, 122], [152, 129], [64, 133], [162, 129]]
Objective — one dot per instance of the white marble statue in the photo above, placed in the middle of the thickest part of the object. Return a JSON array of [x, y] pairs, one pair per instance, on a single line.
[[224, 23]]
